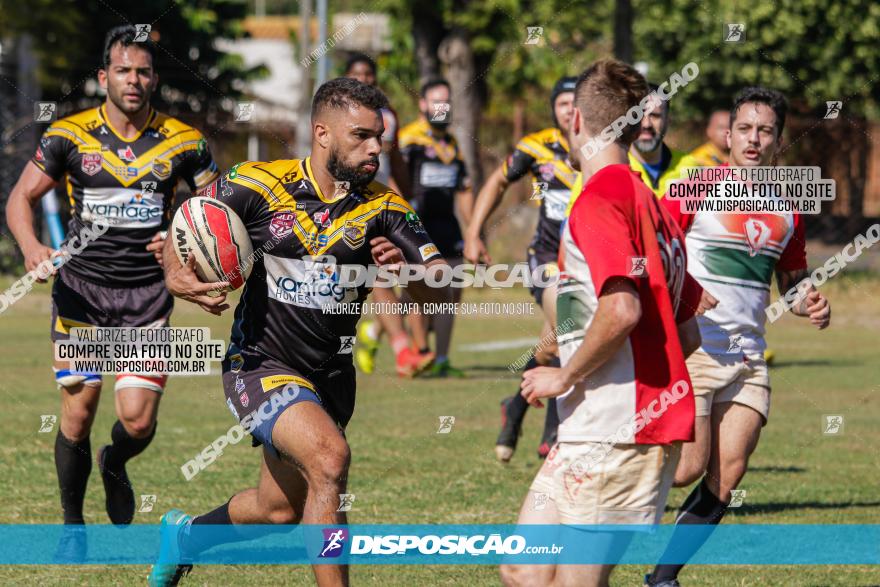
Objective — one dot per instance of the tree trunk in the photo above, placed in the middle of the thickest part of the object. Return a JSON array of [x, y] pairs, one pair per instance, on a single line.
[[468, 95], [623, 20], [428, 32], [519, 120]]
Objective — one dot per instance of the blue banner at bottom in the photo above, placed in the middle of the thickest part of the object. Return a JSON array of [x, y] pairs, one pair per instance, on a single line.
[[727, 544]]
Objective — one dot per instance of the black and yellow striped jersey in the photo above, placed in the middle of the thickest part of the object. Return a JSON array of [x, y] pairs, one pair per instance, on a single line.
[[127, 183], [301, 237], [544, 154]]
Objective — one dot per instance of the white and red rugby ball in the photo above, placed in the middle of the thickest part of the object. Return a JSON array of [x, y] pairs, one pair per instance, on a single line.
[[213, 233]]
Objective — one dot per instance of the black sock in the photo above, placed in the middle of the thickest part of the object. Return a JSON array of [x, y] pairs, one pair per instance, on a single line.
[[700, 507], [73, 462], [124, 446], [424, 350], [197, 542]]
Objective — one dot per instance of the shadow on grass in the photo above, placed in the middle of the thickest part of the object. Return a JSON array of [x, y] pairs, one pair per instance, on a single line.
[[777, 470]]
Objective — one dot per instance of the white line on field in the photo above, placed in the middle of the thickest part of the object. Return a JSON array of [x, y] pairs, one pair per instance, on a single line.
[[498, 345]]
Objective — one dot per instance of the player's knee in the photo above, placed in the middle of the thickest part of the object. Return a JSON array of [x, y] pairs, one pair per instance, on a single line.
[[137, 425], [283, 514], [332, 468], [514, 576], [76, 423], [688, 472]]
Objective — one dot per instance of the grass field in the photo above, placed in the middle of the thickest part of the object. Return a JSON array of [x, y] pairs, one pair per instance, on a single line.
[[403, 472]]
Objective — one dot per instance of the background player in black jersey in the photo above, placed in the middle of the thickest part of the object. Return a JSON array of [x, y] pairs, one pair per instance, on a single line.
[[442, 197], [543, 154], [282, 338], [393, 172], [122, 162]]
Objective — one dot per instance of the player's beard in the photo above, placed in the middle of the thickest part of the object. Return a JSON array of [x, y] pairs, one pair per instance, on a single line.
[[356, 178], [115, 96], [649, 145]]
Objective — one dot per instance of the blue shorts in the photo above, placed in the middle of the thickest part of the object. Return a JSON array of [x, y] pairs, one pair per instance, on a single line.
[[259, 389]]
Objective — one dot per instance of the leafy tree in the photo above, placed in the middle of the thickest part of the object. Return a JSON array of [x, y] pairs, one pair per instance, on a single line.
[[195, 76]]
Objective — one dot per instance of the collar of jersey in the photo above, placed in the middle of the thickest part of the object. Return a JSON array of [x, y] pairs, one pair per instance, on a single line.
[[311, 177], [103, 114]]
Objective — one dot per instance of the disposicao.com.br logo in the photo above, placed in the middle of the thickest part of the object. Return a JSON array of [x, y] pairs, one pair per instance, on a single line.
[[450, 544]]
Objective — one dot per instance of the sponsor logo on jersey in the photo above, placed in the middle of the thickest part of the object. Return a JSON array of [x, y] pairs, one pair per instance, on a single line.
[[757, 234], [322, 219], [438, 175], [236, 362], [91, 163], [281, 224], [122, 207], [354, 233], [90, 148], [126, 154], [243, 398], [428, 250], [415, 223], [300, 205], [305, 283], [39, 155], [239, 385], [162, 168], [210, 191]]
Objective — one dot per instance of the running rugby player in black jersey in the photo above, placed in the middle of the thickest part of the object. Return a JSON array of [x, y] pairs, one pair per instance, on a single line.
[[544, 155], [441, 196], [289, 367], [120, 164]]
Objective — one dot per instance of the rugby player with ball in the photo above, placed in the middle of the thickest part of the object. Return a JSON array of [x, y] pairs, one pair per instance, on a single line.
[[306, 211]]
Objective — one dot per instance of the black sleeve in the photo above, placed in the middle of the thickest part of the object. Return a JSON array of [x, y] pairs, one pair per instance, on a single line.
[[518, 163], [201, 169], [403, 227], [53, 153]]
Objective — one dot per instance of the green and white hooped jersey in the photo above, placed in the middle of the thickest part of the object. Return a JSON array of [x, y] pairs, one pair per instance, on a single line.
[[734, 257]]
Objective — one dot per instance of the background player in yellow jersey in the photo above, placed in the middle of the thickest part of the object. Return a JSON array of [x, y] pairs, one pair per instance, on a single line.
[[544, 155], [122, 162], [393, 171], [442, 198], [714, 151]]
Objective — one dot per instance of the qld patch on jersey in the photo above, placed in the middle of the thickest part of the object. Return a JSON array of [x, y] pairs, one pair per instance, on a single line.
[[281, 224], [91, 163]]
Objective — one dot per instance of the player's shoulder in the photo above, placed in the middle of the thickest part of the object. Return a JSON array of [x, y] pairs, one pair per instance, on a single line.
[[78, 123], [171, 127], [545, 136], [415, 132], [379, 192], [614, 185]]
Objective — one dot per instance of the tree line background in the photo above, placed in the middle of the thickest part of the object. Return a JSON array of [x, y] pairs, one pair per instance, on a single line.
[[812, 50]]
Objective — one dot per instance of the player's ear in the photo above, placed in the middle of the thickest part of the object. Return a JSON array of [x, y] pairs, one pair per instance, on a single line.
[[102, 78], [727, 137], [321, 134]]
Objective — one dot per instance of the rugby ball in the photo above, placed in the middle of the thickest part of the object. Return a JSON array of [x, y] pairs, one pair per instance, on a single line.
[[216, 236]]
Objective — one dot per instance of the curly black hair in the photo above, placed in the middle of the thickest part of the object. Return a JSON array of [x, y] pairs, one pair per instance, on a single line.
[[344, 92]]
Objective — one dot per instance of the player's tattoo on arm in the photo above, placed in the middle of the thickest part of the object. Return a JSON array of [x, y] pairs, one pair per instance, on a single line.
[[790, 279]]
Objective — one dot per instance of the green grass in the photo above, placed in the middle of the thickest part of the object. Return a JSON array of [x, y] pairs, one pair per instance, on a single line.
[[403, 472]]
